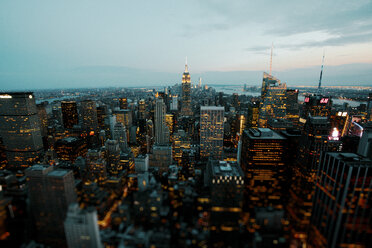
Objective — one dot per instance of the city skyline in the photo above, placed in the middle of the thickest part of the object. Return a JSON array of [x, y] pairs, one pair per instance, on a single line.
[[89, 44]]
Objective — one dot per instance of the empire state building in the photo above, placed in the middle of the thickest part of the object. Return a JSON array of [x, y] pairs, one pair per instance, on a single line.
[[186, 93]]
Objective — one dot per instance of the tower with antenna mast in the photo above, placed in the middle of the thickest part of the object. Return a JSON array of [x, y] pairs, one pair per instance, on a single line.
[[321, 74], [271, 57]]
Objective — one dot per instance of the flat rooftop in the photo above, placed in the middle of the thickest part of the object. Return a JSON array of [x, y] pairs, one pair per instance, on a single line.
[[263, 133]]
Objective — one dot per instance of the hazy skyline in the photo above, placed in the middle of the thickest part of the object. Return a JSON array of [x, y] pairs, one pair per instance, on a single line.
[[58, 44]]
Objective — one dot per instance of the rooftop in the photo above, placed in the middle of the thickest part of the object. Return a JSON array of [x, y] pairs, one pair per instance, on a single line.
[[262, 133]]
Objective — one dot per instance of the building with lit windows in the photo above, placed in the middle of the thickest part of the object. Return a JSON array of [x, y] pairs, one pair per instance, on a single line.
[[292, 106], [81, 227], [180, 141], [263, 162], [124, 116], [123, 103], [20, 129], [316, 105], [68, 149], [211, 132], [226, 183], [69, 114], [273, 100], [316, 138], [369, 107], [253, 114], [186, 93], [142, 109], [113, 157], [95, 169], [42, 113], [341, 215], [161, 129], [89, 116], [50, 193]]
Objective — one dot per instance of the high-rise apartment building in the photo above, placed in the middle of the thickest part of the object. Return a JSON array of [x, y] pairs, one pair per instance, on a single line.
[[81, 227], [69, 114], [273, 100], [50, 193], [341, 215], [89, 116], [186, 93], [211, 132], [20, 129]]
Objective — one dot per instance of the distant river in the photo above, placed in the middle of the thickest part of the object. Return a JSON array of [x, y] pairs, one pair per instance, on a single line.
[[239, 90]]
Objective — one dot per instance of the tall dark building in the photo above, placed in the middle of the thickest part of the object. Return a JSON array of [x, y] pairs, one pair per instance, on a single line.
[[50, 193], [292, 108], [341, 215], [20, 129], [253, 114], [263, 161], [315, 139], [69, 114], [68, 149], [369, 107], [316, 105], [226, 183], [186, 93], [89, 116]]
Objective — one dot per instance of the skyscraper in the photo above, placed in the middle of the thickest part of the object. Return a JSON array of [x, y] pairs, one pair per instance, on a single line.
[[341, 215], [273, 100], [292, 108], [226, 183], [123, 103], [186, 93], [369, 107], [161, 129], [89, 116], [211, 132], [316, 105], [69, 114], [50, 193], [113, 157], [20, 129], [315, 139], [81, 227], [263, 162]]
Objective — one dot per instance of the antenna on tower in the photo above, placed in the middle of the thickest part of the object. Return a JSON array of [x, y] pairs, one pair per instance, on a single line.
[[321, 73], [271, 57], [186, 69]]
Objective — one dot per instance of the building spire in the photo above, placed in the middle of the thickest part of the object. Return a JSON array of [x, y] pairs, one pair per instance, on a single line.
[[186, 68], [271, 57], [321, 73]]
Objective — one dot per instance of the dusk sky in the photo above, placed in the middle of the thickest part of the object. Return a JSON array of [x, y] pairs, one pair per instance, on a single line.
[[59, 44]]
